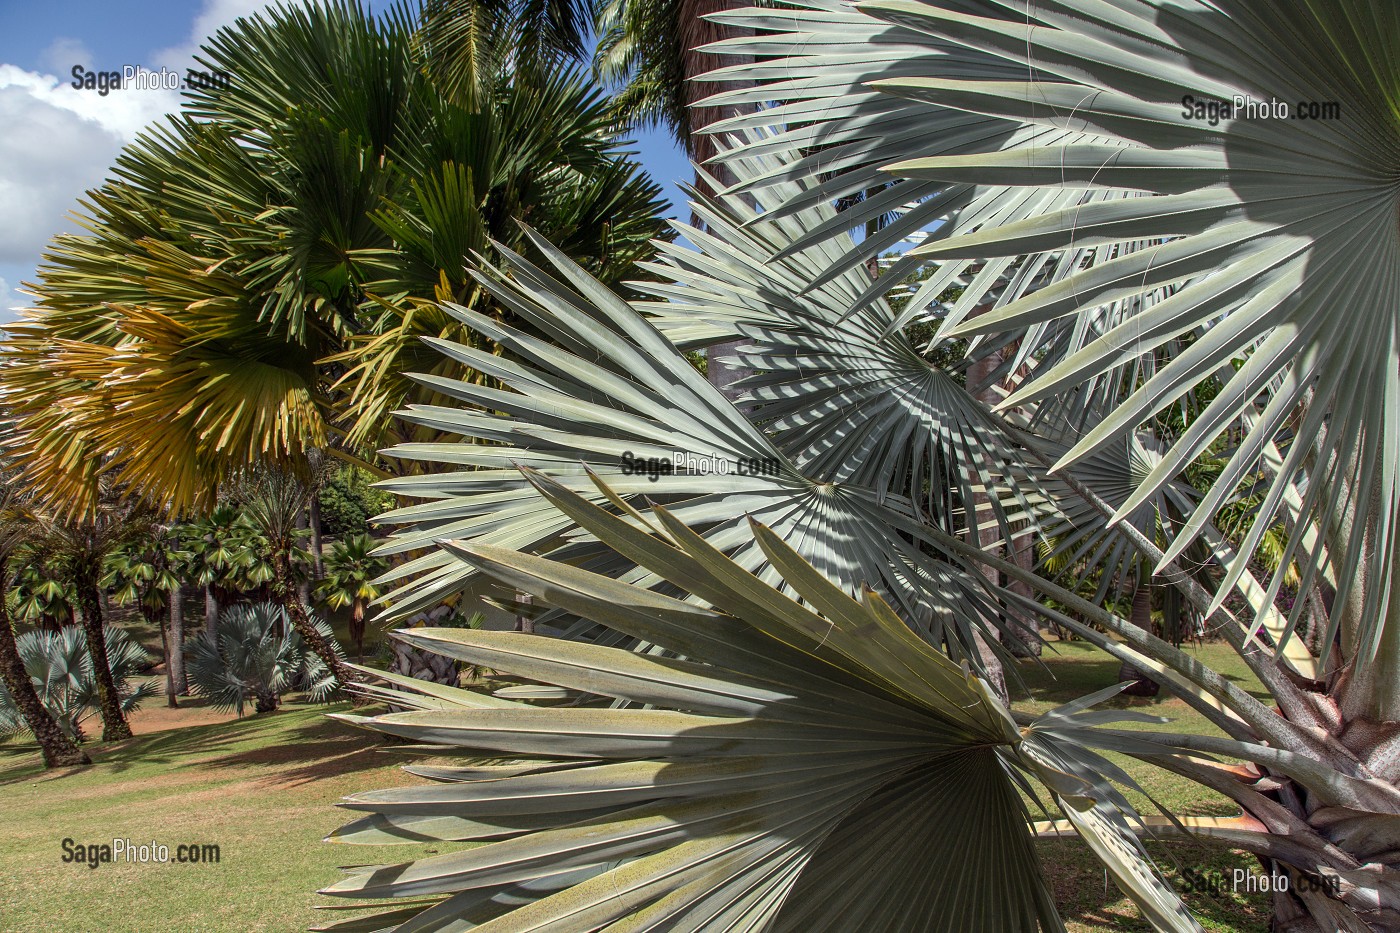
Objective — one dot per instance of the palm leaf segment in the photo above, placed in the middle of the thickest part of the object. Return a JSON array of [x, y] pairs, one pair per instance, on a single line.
[[1261, 230], [815, 73], [846, 396], [607, 395], [738, 789]]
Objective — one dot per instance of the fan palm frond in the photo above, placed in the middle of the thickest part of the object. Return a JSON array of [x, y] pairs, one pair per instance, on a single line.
[[609, 396], [1090, 123], [742, 788]]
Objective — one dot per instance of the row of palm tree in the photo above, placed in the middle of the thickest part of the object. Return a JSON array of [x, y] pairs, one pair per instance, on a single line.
[[244, 550]]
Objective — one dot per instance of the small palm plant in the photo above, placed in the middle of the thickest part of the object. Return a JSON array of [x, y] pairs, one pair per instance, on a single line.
[[257, 657], [59, 665], [351, 569]]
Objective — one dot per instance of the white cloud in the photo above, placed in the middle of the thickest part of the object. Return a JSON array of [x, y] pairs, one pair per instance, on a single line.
[[214, 15], [58, 141]]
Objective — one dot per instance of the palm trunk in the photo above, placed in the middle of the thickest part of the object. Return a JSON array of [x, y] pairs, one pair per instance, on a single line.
[[357, 627], [177, 641], [164, 622], [59, 750], [114, 725], [303, 587], [1027, 644], [1141, 616], [318, 557], [285, 591], [989, 539], [211, 612]]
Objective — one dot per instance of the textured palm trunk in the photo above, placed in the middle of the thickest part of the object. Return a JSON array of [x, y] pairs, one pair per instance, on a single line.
[[988, 538], [176, 660], [211, 612], [266, 701], [58, 750], [115, 728], [304, 586], [163, 621], [284, 589], [1028, 645], [357, 627], [318, 555], [1140, 616]]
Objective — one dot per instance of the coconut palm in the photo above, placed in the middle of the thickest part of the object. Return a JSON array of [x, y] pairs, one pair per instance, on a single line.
[[261, 268], [351, 570]]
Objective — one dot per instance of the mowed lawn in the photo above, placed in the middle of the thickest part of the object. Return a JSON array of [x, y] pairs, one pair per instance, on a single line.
[[263, 789]]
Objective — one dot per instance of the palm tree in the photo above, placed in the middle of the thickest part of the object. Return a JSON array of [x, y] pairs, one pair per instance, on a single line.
[[257, 657], [216, 553], [1134, 254], [464, 41], [80, 547], [43, 595], [274, 500], [259, 274], [148, 571], [652, 52], [811, 764], [58, 749], [650, 49], [1130, 268], [351, 570], [59, 668]]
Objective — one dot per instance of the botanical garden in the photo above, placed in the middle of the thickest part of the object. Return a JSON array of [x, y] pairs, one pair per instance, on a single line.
[[979, 511]]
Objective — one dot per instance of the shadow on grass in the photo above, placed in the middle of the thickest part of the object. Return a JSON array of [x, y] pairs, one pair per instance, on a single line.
[[325, 745]]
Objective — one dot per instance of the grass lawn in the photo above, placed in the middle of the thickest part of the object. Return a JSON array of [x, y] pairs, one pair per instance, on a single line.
[[1074, 669], [263, 788]]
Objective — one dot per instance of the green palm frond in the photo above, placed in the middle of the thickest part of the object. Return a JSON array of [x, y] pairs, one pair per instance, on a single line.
[[251, 278], [810, 765]]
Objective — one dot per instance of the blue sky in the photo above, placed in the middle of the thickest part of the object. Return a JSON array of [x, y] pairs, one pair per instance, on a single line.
[[58, 142]]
